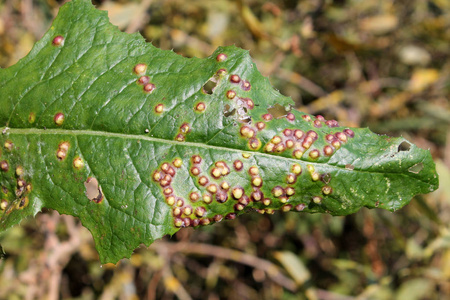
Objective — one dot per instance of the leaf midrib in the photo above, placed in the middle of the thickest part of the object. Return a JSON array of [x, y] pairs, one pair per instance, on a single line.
[[54, 131]]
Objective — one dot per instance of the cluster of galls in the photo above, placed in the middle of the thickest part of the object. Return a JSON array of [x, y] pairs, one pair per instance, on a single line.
[[241, 104], [144, 80], [23, 188], [184, 129], [185, 211], [295, 139], [63, 148], [213, 186], [299, 141]]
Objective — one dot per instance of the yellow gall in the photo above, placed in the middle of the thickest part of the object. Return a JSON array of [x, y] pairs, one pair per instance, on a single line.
[[286, 208], [276, 140], [207, 198], [289, 144], [283, 199], [246, 86], [212, 188], [257, 181], [140, 69], [326, 190], [298, 134], [336, 144], [237, 192], [8, 145], [225, 171], [239, 207], [267, 202], [200, 211], [19, 171], [177, 222], [277, 191], [180, 138], [159, 108], [257, 195], [312, 134], [314, 154], [225, 186], [187, 210], [185, 128], [307, 142], [246, 155], [179, 202], [247, 132], [165, 167], [254, 144], [253, 171], [203, 180], [216, 173], [315, 176], [168, 191], [170, 200], [61, 154], [200, 107], [327, 150], [291, 178], [310, 168], [194, 196], [177, 162], [195, 171], [196, 159], [280, 148], [341, 136], [231, 94], [238, 165], [296, 169], [156, 176], [269, 147], [317, 199], [78, 163], [290, 191], [260, 125], [3, 204], [298, 153]]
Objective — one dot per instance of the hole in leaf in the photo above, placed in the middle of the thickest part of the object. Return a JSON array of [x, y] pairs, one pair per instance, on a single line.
[[416, 168], [326, 178], [278, 111], [227, 111], [404, 146], [208, 88]]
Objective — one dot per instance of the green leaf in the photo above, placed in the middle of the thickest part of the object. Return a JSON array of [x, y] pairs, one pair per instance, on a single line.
[[138, 142]]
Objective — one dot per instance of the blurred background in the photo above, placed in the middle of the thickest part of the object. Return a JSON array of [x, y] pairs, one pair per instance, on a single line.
[[374, 63]]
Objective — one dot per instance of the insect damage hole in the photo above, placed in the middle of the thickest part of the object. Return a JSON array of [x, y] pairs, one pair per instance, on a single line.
[[93, 190], [227, 111], [404, 146], [208, 87], [278, 111], [416, 168]]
